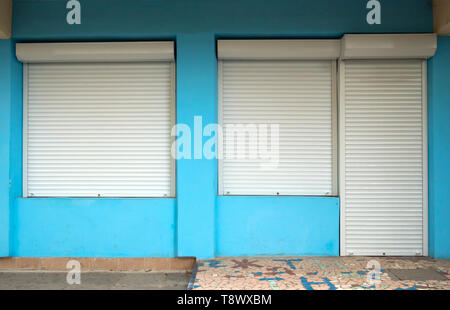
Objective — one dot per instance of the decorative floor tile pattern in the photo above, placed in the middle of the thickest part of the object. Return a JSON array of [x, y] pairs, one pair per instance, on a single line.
[[315, 273]]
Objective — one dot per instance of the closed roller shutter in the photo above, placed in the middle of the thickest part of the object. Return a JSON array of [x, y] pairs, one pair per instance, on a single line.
[[382, 157], [98, 129], [298, 96]]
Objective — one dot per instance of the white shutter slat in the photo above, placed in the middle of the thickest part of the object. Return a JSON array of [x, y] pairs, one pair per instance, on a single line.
[[297, 95], [382, 150], [99, 129]]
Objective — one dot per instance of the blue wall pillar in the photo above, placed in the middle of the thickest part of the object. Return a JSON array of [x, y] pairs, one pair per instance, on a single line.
[[5, 122], [439, 150], [196, 178]]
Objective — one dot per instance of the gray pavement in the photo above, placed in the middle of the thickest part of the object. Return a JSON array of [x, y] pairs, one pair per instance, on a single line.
[[48, 280]]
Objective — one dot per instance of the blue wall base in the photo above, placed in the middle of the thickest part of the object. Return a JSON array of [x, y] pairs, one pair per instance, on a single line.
[[60, 227], [277, 226]]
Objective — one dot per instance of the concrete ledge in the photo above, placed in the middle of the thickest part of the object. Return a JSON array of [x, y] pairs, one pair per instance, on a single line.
[[100, 264]]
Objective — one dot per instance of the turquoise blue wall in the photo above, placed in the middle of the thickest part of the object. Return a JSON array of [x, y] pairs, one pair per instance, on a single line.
[[196, 178], [94, 227], [6, 52], [253, 226], [197, 222], [439, 150]]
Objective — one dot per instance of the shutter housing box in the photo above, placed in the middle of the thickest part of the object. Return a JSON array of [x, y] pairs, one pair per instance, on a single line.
[[95, 52]]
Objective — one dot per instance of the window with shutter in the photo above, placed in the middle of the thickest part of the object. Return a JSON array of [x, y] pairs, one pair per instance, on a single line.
[[298, 95], [99, 129]]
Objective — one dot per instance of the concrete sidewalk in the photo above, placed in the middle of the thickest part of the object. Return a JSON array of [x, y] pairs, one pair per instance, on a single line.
[[322, 273], [278, 273], [48, 280]]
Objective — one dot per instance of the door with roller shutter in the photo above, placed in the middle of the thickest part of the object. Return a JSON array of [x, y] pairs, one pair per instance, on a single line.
[[383, 157]]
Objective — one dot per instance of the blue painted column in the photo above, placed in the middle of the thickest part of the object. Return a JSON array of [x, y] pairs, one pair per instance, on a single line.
[[439, 150], [196, 178], [5, 122]]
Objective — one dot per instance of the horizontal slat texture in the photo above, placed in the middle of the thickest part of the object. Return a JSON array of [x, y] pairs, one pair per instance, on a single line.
[[382, 194], [297, 96], [99, 130]]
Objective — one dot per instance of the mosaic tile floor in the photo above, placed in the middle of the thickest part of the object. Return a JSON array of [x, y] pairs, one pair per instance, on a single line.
[[318, 273]]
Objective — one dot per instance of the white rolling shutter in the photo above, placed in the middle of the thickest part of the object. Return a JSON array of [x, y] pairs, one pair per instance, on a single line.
[[98, 129], [298, 96], [383, 157]]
